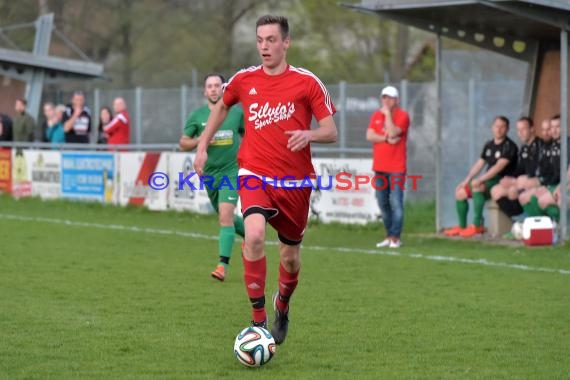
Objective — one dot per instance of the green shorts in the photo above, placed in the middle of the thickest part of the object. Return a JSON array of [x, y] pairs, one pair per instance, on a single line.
[[488, 186], [223, 190]]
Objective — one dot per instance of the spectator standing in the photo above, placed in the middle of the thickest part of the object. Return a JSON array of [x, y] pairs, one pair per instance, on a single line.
[[77, 120], [118, 130], [388, 132], [5, 127], [24, 124], [54, 128], [105, 117]]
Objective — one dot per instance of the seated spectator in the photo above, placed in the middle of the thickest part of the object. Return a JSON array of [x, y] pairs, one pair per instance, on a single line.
[[529, 183], [54, 132], [5, 127], [105, 117], [557, 193], [118, 129], [506, 192], [499, 155], [541, 201]]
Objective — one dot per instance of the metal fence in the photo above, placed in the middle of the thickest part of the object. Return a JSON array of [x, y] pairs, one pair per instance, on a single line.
[[158, 117]]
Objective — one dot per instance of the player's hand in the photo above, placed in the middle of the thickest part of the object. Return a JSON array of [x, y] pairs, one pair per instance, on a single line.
[[77, 111], [476, 183], [393, 140], [386, 110], [200, 161], [298, 140], [461, 185], [556, 195]]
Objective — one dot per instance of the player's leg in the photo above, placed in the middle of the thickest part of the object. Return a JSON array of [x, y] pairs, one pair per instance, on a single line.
[[382, 184], [527, 183], [232, 197], [548, 203], [290, 224], [225, 195], [255, 263], [529, 202], [502, 192], [256, 210], [480, 195], [462, 194], [397, 181], [213, 194], [226, 239]]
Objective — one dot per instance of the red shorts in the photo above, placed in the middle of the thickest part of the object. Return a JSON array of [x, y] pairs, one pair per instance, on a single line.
[[287, 210]]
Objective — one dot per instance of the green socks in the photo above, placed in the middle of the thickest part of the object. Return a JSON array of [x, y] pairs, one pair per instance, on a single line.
[[478, 206], [532, 208], [239, 227], [553, 211], [462, 210], [226, 242]]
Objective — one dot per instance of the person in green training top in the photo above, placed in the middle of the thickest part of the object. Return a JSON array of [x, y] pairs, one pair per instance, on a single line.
[[221, 164]]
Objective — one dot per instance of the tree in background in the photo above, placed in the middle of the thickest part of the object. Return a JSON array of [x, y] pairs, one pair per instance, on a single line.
[[159, 43]]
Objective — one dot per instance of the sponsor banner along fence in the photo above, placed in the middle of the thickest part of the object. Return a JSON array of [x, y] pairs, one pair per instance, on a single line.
[[122, 178]]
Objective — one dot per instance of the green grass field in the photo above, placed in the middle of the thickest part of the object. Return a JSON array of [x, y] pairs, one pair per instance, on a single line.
[[95, 292]]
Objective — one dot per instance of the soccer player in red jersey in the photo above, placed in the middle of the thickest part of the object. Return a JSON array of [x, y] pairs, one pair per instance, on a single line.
[[274, 161]]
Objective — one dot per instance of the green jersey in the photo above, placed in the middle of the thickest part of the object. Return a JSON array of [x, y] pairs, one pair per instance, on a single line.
[[222, 151]]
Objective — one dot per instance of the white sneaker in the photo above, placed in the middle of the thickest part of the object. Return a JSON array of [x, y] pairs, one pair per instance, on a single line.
[[384, 243], [395, 243]]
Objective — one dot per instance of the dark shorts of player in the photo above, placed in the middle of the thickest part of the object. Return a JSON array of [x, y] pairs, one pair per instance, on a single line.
[[226, 193], [488, 186], [286, 210]]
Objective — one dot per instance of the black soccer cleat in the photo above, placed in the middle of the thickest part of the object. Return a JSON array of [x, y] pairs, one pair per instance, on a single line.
[[259, 324], [280, 324]]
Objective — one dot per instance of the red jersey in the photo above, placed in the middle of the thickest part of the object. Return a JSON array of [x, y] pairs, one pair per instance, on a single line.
[[273, 104], [390, 158], [118, 129]]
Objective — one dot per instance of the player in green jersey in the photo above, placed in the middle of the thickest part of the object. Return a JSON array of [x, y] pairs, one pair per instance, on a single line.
[[221, 164]]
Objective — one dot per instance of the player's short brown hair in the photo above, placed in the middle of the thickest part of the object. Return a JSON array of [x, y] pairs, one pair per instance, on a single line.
[[504, 119], [528, 120], [271, 19], [209, 75]]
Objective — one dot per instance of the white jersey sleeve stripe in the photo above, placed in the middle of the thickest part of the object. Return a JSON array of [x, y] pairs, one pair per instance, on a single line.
[[328, 101]]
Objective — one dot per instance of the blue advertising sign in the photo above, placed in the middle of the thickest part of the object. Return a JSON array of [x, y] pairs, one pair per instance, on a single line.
[[87, 175]]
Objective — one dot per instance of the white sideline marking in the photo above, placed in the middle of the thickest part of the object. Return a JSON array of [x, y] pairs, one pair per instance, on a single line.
[[120, 227]]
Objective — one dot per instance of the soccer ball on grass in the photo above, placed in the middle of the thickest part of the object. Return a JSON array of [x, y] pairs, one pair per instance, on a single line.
[[254, 346]]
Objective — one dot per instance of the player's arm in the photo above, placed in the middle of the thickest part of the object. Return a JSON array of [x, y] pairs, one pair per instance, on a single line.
[[374, 137], [509, 153], [495, 169], [188, 143], [189, 140], [392, 130], [114, 125], [68, 124], [325, 133], [474, 170], [215, 120]]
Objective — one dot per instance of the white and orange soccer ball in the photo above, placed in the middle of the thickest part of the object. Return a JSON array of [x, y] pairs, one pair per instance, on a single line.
[[254, 346]]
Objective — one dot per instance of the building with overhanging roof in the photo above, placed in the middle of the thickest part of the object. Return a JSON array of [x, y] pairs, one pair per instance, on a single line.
[[534, 31]]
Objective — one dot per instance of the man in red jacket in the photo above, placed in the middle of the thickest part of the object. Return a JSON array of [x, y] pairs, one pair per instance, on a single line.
[[118, 129]]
